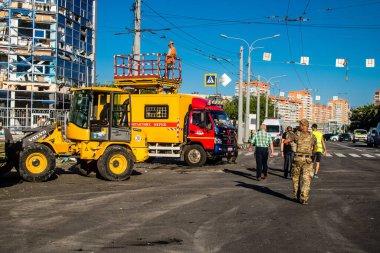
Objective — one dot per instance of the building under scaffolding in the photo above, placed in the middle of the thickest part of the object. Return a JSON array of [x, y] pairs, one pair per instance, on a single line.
[[46, 47]]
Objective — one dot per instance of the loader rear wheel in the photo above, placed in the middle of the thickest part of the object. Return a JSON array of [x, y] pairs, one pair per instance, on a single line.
[[37, 163], [116, 164], [195, 156]]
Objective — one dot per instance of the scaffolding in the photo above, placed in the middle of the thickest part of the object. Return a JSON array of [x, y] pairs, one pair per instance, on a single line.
[[46, 46], [147, 71]]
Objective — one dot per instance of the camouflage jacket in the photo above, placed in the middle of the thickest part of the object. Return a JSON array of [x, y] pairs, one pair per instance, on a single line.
[[305, 142]]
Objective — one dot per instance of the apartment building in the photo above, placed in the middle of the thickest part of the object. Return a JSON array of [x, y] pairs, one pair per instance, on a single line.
[[306, 102], [321, 113], [263, 88], [46, 47], [376, 98], [288, 109], [339, 111]]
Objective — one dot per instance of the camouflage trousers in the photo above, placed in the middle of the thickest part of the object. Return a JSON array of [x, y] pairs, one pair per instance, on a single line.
[[302, 170]]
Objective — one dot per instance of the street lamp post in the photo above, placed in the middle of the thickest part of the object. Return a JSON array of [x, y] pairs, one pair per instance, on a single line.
[[247, 92], [266, 93]]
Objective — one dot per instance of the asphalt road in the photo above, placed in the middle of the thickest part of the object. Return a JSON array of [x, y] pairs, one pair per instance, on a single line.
[[169, 207]]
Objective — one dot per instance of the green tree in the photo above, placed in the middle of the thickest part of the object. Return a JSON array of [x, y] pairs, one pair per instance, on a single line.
[[365, 117], [231, 107]]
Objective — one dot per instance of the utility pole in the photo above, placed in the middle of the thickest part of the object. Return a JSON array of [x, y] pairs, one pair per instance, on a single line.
[[247, 97], [240, 104], [258, 104], [137, 31]]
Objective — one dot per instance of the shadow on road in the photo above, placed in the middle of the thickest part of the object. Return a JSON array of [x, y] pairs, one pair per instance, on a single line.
[[240, 173], [263, 189], [12, 178]]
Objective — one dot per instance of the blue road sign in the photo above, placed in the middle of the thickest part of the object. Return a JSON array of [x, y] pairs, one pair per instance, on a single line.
[[210, 80]]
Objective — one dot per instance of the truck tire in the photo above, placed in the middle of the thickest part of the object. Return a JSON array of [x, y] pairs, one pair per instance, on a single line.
[[36, 163], [116, 164], [195, 156]]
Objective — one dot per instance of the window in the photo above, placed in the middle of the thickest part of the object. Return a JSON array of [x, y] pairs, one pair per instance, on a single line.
[[156, 111], [39, 33]]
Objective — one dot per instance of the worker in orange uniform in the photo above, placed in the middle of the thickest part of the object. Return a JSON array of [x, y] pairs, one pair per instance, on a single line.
[[170, 58]]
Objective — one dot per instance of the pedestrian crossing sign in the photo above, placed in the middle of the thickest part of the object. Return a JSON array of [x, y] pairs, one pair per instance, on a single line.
[[210, 80]]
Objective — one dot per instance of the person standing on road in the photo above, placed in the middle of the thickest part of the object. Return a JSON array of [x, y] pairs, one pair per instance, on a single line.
[[321, 149], [306, 144], [287, 151], [262, 140]]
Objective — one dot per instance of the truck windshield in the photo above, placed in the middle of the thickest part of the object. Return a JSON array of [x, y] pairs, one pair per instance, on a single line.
[[79, 109], [360, 132], [273, 129], [220, 117]]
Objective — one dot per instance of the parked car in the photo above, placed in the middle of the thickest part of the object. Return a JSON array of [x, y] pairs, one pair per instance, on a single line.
[[371, 135], [327, 137], [359, 135], [344, 137], [334, 137]]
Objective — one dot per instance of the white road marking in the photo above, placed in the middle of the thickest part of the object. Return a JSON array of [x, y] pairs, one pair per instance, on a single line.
[[354, 155], [329, 155], [275, 153], [345, 146], [340, 155], [377, 154], [368, 155], [248, 153]]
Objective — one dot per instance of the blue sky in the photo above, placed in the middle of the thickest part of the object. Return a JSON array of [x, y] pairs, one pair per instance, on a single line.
[[331, 29]]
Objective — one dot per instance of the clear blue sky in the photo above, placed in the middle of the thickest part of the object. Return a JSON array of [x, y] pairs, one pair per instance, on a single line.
[[332, 29]]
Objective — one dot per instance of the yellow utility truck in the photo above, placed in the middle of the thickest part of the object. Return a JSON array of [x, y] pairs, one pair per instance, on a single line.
[[182, 126], [104, 141]]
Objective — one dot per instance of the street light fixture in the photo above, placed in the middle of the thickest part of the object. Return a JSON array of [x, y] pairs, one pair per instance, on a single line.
[[268, 81], [247, 92]]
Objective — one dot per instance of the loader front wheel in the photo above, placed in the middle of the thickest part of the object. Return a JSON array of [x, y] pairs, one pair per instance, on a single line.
[[37, 163], [116, 164]]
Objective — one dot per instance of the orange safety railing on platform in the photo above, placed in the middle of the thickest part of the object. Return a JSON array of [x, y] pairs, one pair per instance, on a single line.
[[146, 66]]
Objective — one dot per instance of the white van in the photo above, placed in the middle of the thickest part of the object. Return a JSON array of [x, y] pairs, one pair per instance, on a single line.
[[275, 129]]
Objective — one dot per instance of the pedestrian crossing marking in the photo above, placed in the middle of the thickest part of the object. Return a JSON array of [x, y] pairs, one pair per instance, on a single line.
[[328, 155], [210, 80]]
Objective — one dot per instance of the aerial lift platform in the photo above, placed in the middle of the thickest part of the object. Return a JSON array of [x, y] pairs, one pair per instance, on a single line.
[[147, 72]]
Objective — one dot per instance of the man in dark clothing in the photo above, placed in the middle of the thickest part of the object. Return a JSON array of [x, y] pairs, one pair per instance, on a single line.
[[287, 151]]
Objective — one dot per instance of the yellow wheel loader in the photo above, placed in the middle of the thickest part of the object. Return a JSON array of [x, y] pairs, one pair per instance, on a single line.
[[101, 141]]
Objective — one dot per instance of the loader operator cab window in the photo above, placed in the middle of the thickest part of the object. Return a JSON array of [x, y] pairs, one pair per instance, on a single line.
[[120, 112], [80, 109]]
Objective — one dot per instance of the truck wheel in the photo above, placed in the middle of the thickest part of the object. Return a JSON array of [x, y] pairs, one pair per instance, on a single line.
[[195, 156], [37, 163], [116, 164]]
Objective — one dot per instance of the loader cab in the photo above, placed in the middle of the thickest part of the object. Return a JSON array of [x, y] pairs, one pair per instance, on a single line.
[[99, 115]]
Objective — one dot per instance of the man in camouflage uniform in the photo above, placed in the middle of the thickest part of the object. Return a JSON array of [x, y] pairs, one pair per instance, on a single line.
[[306, 144]]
